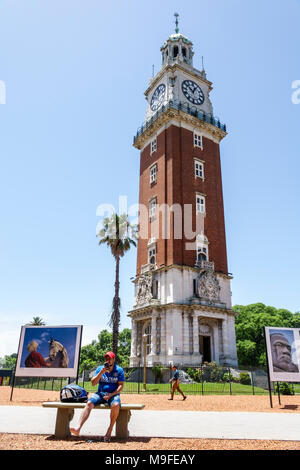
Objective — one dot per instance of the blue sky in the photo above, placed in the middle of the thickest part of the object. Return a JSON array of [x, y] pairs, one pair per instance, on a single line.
[[75, 73]]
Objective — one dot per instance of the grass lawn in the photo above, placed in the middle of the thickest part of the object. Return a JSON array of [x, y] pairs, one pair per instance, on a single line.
[[207, 388]]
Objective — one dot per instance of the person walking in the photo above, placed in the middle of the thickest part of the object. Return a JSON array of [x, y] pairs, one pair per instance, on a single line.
[[110, 378], [176, 382]]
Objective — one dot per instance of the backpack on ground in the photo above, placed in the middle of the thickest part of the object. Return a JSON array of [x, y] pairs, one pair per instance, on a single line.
[[73, 393]]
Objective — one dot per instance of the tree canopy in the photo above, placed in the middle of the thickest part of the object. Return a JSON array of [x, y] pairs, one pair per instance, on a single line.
[[92, 355], [8, 362], [37, 321], [249, 325]]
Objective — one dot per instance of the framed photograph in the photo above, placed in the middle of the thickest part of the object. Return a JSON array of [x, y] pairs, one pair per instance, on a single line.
[[283, 354], [49, 351]]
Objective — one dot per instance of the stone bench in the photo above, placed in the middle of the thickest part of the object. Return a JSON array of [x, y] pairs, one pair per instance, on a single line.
[[65, 413]]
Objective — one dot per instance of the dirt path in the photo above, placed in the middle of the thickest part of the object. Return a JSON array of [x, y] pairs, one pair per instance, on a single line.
[[29, 397]]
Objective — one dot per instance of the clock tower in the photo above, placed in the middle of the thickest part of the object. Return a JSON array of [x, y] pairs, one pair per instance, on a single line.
[[182, 304]]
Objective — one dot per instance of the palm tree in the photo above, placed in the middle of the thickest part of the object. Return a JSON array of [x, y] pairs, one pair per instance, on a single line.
[[119, 235], [37, 321]]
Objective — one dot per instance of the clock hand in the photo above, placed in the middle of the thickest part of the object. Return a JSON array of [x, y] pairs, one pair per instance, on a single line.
[[190, 92]]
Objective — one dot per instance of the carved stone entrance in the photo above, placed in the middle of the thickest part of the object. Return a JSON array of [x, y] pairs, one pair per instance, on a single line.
[[205, 348]]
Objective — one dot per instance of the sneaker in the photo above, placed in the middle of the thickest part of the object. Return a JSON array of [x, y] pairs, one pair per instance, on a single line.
[[170, 398], [184, 398]]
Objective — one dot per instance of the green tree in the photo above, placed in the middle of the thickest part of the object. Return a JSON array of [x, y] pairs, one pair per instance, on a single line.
[[119, 235], [124, 347], [8, 362], [249, 324], [37, 321], [246, 352], [104, 341], [92, 354]]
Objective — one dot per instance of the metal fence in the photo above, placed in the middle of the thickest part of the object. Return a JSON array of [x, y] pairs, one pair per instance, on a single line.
[[203, 380], [5, 376], [181, 106]]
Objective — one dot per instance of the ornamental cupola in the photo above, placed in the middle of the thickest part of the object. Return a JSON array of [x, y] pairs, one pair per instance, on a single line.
[[178, 48]]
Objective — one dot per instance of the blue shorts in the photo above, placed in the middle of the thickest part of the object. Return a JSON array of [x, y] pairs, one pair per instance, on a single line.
[[97, 399]]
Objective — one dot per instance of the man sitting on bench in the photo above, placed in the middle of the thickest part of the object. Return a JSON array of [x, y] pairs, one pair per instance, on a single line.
[[111, 380]]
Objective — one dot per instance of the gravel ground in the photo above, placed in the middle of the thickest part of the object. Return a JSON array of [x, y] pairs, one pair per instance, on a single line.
[[29, 397]]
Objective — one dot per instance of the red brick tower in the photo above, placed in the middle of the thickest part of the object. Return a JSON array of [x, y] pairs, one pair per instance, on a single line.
[[182, 289]]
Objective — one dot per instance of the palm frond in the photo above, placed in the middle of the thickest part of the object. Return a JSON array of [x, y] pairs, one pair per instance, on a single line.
[[118, 234]]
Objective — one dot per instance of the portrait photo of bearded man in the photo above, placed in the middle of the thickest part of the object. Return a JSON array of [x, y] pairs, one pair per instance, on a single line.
[[282, 354]]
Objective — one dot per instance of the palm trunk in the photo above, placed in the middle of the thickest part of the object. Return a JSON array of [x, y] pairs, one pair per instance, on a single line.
[[116, 309]]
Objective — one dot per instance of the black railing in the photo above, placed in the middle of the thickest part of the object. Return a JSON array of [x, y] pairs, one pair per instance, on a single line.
[[185, 107], [202, 380]]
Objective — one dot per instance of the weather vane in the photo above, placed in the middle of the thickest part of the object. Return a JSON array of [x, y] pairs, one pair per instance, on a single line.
[[176, 22]]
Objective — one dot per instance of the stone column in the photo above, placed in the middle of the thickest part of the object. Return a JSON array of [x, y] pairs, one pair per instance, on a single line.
[[186, 335], [225, 340], [215, 342], [169, 334], [195, 335], [180, 51], [139, 346], [232, 352], [163, 335], [153, 334], [177, 332], [133, 338], [158, 336]]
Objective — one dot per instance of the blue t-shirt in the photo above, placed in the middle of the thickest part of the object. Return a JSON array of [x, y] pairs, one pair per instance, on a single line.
[[176, 375], [109, 380]]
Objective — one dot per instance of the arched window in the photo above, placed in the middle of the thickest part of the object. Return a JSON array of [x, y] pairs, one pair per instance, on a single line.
[[202, 248], [184, 52], [147, 332], [201, 253], [152, 255], [175, 51], [152, 251]]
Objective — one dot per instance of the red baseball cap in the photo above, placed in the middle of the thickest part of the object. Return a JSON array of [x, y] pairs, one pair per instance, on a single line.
[[110, 354]]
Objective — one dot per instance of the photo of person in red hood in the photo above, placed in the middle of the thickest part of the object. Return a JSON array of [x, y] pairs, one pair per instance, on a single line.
[[35, 359]]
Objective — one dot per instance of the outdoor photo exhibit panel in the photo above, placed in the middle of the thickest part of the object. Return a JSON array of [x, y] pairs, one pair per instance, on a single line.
[[49, 351], [283, 353]]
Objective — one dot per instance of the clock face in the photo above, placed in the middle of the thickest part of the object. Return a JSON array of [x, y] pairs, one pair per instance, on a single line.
[[158, 97], [192, 92]]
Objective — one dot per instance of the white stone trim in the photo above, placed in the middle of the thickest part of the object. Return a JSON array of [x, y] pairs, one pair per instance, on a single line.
[[174, 122], [201, 163]]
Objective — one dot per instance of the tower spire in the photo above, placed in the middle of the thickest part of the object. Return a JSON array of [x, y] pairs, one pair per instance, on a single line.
[[176, 22]]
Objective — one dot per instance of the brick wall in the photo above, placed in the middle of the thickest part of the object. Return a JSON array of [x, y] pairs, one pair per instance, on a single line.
[[176, 184]]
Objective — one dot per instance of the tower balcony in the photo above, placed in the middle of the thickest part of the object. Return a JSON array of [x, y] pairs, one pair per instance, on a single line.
[[148, 267], [185, 108], [204, 264]]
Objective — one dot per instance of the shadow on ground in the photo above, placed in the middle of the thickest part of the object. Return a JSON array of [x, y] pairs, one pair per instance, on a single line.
[[97, 439]]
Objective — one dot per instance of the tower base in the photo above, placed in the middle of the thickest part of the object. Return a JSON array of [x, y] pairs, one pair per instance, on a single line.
[[183, 335]]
